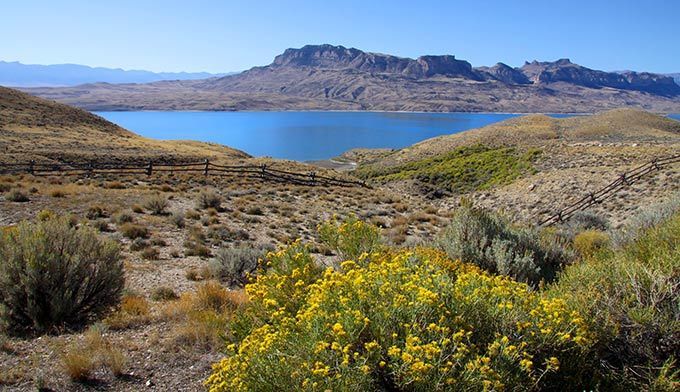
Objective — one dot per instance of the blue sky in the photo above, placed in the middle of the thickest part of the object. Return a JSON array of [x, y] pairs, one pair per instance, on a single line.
[[221, 36]]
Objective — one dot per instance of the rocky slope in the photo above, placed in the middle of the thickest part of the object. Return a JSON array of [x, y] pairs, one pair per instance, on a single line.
[[321, 77]]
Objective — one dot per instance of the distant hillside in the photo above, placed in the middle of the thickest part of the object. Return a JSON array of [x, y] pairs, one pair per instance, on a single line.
[[326, 77], [35, 128], [15, 74]]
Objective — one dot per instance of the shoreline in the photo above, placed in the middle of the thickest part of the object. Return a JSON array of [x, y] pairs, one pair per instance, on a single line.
[[345, 111]]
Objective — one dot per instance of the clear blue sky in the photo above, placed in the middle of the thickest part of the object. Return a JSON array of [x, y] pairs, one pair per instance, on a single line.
[[220, 36]]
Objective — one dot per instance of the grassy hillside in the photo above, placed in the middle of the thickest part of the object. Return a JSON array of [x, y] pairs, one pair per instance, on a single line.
[[465, 169], [36, 128]]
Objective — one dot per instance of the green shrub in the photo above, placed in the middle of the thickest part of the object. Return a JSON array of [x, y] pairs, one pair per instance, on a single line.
[[489, 241], [589, 242], [630, 297], [350, 238], [234, 264], [462, 170], [45, 215], [17, 196], [209, 199], [407, 321], [157, 204], [56, 276]]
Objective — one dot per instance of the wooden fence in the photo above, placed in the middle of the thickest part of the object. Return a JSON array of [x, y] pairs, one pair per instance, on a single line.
[[262, 172], [624, 180]]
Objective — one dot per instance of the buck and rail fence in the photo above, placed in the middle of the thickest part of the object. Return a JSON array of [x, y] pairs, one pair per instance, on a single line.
[[262, 172], [623, 181]]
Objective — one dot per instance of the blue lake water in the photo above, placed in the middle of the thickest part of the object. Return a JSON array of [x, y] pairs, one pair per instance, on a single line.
[[301, 136]]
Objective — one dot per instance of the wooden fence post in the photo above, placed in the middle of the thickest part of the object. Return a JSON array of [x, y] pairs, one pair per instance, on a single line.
[[90, 169], [31, 168], [312, 176], [149, 168], [207, 165], [264, 171]]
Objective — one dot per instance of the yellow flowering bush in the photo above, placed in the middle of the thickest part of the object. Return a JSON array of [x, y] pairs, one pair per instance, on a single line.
[[350, 238], [408, 320]]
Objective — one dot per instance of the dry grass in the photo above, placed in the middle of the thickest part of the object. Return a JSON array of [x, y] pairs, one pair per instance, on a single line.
[[82, 358], [78, 364], [201, 318], [134, 311]]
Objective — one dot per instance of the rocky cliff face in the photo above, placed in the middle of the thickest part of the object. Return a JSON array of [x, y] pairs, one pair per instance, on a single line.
[[504, 73], [339, 57], [564, 70]]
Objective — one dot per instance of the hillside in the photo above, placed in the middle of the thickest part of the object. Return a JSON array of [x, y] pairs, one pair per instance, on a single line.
[[16, 74], [325, 77], [36, 128], [531, 164], [621, 125]]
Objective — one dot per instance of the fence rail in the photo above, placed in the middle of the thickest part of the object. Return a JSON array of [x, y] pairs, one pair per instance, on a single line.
[[624, 180], [262, 172]]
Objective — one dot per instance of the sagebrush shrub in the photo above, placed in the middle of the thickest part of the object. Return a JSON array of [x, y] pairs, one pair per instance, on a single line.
[[487, 240], [177, 218], [17, 196], [134, 231], [350, 238], [645, 219], [234, 264], [55, 276], [96, 212], [587, 220], [156, 204], [209, 199], [164, 293]]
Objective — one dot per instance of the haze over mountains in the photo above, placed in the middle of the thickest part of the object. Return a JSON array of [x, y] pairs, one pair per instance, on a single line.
[[326, 77], [16, 74]]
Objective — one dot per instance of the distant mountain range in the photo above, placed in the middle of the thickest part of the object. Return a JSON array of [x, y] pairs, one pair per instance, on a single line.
[[326, 77], [16, 74], [675, 76]]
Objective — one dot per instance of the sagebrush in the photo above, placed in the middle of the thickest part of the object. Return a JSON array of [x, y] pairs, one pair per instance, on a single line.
[[56, 276]]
